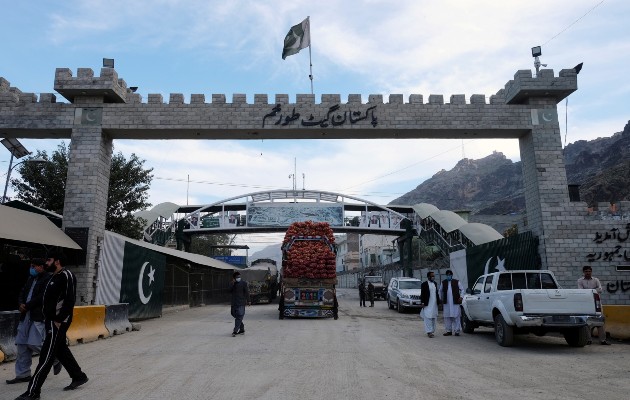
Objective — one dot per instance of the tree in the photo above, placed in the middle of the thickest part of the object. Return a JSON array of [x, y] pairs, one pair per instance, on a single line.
[[44, 185], [202, 244]]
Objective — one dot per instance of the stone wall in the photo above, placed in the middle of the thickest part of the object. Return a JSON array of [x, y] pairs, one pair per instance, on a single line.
[[102, 109]]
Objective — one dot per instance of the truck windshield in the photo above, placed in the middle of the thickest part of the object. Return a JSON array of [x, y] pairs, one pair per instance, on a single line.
[[373, 279], [410, 284]]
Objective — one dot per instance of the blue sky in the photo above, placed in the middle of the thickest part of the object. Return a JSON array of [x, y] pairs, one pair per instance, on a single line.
[[364, 47]]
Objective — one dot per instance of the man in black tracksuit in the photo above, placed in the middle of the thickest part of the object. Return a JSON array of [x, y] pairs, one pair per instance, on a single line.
[[58, 304]]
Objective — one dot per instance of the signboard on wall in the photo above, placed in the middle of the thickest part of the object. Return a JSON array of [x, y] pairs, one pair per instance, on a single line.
[[262, 215], [380, 220], [232, 260]]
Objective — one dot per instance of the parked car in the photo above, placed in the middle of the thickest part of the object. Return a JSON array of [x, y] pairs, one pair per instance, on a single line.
[[403, 293]]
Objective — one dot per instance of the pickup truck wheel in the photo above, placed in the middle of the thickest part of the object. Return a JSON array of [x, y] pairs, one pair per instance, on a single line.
[[467, 325], [577, 337], [389, 304], [399, 306], [503, 333]]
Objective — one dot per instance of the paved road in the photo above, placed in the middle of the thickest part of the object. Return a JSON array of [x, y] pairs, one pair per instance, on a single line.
[[368, 353]]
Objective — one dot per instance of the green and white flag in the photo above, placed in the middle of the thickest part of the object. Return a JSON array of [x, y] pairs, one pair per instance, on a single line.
[[508, 254], [129, 273], [298, 38]]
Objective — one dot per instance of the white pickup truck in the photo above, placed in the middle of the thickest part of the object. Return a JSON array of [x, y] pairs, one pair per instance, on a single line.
[[530, 301]]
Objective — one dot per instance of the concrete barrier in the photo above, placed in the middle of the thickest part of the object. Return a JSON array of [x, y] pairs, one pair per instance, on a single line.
[[88, 325], [617, 321], [117, 318], [9, 321]]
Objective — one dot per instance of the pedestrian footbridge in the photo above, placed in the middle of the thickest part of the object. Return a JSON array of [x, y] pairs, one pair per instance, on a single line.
[[273, 211]]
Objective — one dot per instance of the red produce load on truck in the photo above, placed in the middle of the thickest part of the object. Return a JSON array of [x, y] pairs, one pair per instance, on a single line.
[[308, 271]]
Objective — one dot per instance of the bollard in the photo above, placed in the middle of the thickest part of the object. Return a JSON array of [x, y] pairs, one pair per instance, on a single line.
[[617, 321], [9, 321], [117, 318], [88, 325]]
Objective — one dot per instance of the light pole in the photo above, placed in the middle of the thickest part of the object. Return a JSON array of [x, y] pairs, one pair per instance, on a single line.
[[11, 167]]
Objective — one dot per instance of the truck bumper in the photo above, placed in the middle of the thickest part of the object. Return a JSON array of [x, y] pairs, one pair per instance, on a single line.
[[309, 312], [559, 321]]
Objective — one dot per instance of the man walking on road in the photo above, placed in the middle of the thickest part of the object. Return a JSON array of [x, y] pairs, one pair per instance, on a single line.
[[370, 291], [430, 299], [361, 293], [240, 298], [58, 305], [588, 282], [451, 294], [31, 331]]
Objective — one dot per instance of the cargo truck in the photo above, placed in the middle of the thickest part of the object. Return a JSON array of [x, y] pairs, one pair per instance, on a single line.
[[262, 280], [308, 276]]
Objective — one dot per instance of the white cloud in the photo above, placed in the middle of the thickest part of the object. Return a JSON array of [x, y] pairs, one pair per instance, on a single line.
[[366, 47]]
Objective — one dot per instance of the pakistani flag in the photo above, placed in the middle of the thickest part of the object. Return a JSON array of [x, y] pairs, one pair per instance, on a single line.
[[298, 38], [142, 281], [129, 273], [512, 253]]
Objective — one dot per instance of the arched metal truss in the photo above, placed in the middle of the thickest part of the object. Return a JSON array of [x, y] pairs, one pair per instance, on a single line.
[[275, 210]]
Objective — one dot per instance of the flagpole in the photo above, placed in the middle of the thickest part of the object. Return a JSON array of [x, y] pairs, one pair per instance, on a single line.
[[311, 65], [310, 60]]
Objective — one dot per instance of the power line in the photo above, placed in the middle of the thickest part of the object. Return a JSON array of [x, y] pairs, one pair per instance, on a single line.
[[574, 22], [404, 168]]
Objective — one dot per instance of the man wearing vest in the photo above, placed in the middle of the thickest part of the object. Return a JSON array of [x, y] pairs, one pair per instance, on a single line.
[[430, 299], [451, 293]]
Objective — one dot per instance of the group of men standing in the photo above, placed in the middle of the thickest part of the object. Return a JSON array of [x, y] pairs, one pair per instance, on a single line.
[[449, 293], [362, 293]]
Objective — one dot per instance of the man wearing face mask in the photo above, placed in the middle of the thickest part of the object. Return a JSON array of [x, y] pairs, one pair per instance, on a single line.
[[240, 298], [31, 331], [58, 304], [451, 294], [430, 298]]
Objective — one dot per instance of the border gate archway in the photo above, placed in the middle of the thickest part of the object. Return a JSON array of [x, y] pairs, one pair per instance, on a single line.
[[102, 109]]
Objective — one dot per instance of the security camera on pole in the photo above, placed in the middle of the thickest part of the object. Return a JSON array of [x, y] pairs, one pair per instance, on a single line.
[[536, 52]]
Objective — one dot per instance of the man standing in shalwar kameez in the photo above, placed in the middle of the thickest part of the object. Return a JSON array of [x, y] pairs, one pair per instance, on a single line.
[[451, 293], [430, 299]]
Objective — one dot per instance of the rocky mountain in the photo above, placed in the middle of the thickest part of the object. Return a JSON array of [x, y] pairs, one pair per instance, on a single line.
[[494, 185], [273, 252]]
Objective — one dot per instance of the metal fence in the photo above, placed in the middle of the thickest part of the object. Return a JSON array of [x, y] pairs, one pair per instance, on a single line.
[[195, 286]]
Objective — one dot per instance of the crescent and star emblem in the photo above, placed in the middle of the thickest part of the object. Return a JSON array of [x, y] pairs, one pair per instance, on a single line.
[[547, 116], [500, 265], [89, 116], [144, 299]]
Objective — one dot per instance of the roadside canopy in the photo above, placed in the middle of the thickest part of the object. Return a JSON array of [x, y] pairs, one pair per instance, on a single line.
[[28, 227], [448, 220], [424, 209], [480, 233]]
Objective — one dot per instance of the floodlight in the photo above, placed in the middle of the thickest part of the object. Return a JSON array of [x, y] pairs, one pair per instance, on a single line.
[[108, 63], [133, 89], [37, 160], [15, 147], [536, 51]]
